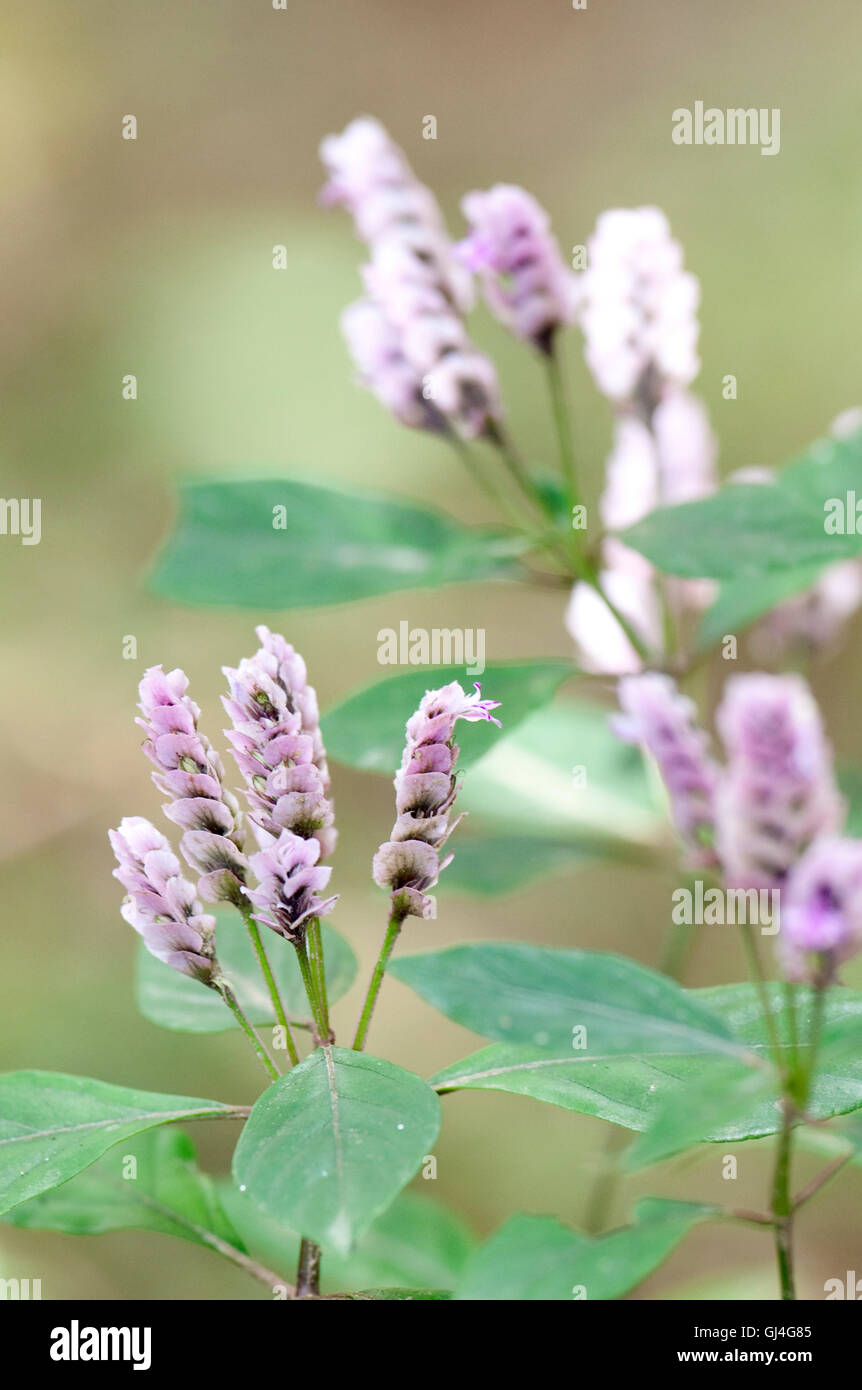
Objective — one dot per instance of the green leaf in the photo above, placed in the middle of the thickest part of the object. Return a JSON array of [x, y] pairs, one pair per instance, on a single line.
[[416, 1242], [490, 864], [535, 1258], [740, 602], [536, 995], [632, 1090], [165, 1192], [367, 729], [398, 1295], [176, 1001], [52, 1126], [566, 776], [335, 547], [746, 530], [330, 1144], [712, 1101]]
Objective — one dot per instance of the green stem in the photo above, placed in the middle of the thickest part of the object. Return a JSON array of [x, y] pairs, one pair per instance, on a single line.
[[392, 931], [308, 979], [517, 467], [563, 425], [230, 999], [782, 1203], [496, 494], [266, 971], [758, 977], [318, 965]]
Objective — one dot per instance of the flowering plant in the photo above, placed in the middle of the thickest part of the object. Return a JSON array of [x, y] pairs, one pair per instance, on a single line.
[[675, 577]]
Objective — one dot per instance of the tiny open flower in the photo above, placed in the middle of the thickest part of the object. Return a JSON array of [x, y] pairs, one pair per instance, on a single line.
[[190, 772], [821, 911], [162, 906], [778, 793], [409, 862], [289, 880], [277, 744], [511, 248], [664, 721], [637, 308]]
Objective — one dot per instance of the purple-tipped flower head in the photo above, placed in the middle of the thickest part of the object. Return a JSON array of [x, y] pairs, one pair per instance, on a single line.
[[664, 721], [638, 308], [162, 906], [190, 772], [290, 880], [409, 862], [415, 355], [778, 793], [821, 911], [278, 746], [511, 248]]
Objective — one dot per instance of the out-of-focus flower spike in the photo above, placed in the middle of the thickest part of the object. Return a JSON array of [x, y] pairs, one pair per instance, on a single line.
[[821, 911]]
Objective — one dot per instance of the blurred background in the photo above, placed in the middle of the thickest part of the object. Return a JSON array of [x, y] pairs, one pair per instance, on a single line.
[[154, 257]]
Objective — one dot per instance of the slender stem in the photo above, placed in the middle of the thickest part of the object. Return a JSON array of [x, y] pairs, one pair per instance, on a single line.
[[517, 467], [757, 976], [486, 484], [822, 1178], [807, 1072], [308, 1270], [392, 931], [318, 965], [266, 971], [310, 982], [637, 642], [230, 999], [563, 425], [782, 1203]]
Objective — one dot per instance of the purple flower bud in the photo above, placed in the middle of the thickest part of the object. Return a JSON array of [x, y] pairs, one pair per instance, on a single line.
[[409, 862], [510, 246], [190, 772], [277, 744], [289, 883], [778, 793], [821, 910], [656, 715], [162, 906], [638, 308], [375, 347]]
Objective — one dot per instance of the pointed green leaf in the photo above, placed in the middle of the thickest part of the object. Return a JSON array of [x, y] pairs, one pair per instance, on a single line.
[[544, 997], [333, 547], [165, 1191], [535, 1258], [52, 1126], [330, 1144]]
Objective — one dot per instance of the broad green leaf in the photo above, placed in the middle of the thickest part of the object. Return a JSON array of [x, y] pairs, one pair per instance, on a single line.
[[331, 1143], [535, 1258], [367, 729], [491, 864], [165, 1192], [746, 530], [334, 547], [631, 1090], [544, 997], [740, 602], [52, 1126], [415, 1242], [565, 775], [710, 1102], [176, 1001]]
